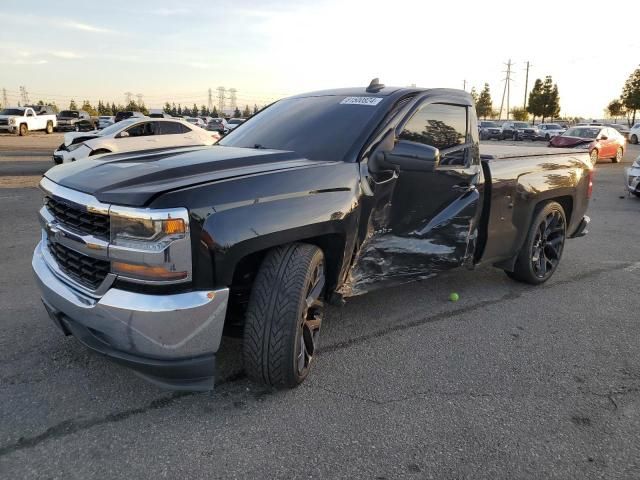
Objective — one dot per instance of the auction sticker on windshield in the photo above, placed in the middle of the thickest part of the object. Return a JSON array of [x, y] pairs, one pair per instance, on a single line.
[[371, 101]]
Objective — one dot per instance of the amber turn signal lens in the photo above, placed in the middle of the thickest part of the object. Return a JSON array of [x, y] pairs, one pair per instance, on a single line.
[[173, 225], [145, 272]]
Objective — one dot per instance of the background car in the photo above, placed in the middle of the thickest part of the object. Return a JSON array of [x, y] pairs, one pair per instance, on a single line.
[[196, 121], [518, 131], [622, 129], [234, 122], [105, 121], [128, 114], [550, 130], [159, 115], [74, 120], [217, 125], [132, 135], [634, 133], [633, 178], [602, 142], [488, 130]]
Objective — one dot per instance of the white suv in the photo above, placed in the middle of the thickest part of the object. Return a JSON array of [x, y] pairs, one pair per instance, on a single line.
[[132, 135], [634, 133], [550, 130]]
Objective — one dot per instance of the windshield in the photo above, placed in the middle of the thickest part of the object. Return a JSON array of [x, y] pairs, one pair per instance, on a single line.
[[521, 125], [582, 132], [116, 127], [319, 128], [105, 118], [488, 124], [553, 126], [68, 113], [12, 111]]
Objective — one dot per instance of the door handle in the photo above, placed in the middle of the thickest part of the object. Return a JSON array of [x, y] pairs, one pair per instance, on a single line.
[[465, 187]]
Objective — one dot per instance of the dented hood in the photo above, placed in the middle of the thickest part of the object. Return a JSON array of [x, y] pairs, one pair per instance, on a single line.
[[134, 179]]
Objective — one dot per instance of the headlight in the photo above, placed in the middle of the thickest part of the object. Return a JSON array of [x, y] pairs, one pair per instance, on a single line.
[[150, 246], [12, 121]]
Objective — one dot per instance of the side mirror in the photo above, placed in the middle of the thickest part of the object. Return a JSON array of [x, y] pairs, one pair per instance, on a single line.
[[411, 156], [123, 134]]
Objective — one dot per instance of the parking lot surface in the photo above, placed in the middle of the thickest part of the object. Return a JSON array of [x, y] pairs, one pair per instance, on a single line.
[[511, 381]]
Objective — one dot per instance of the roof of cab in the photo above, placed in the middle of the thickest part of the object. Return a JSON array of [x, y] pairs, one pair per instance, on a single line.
[[447, 94]]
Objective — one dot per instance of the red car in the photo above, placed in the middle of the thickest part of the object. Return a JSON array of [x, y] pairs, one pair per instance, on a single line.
[[602, 142]]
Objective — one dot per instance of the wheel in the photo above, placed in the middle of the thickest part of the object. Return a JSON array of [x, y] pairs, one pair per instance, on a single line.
[[542, 250], [23, 129], [284, 316], [77, 128], [49, 128], [482, 137], [100, 151], [515, 137], [547, 137], [618, 157], [634, 139], [594, 156]]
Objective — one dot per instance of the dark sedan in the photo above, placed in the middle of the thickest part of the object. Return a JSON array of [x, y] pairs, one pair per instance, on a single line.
[[488, 130], [602, 142]]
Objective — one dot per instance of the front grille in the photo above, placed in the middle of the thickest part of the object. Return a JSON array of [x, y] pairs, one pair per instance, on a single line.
[[87, 271], [77, 219], [4, 121]]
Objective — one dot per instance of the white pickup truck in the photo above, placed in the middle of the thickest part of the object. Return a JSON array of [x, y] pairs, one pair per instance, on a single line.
[[21, 120]]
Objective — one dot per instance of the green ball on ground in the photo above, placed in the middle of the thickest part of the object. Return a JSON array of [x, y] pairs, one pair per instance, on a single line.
[[454, 297]]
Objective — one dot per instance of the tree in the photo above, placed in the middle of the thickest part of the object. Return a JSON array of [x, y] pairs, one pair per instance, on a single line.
[[237, 113], [72, 105], [484, 104], [167, 108], [246, 113], [87, 107], [615, 109], [520, 114], [214, 112], [194, 111], [204, 111], [179, 111], [114, 108], [174, 110], [474, 95], [544, 99], [631, 96], [534, 105]]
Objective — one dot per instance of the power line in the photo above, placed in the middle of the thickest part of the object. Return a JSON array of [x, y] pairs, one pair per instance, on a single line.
[[139, 97], [5, 100], [210, 100], [233, 98], [221, 97], [526, 86], [24, 95], [507, 89], [127, 96]]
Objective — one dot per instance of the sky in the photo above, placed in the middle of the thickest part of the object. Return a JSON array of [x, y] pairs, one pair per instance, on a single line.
[[175, 51]]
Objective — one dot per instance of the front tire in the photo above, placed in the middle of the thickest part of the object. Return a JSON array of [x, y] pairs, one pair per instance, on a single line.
[[49, 128], [284, 316], [542, 249], [23, 130], [634, 139], [619, 155], [594, 156]]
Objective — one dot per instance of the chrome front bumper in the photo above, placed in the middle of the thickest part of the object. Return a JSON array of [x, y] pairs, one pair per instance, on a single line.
[[169, 339]]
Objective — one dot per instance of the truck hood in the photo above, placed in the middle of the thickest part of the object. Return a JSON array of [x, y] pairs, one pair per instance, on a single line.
[[134, 179], [10, 116], [71, 136]]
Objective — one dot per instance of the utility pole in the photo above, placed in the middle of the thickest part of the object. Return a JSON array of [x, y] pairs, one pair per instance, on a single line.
[[5, 100], [233, 97], [507, 88], [210, 103], [464, 84], [526, 86], [127, 96], [221, 96], [24, 95]]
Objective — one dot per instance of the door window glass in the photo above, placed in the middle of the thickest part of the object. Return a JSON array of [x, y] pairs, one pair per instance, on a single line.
[[439, 125], [141, 130], [172, 128]]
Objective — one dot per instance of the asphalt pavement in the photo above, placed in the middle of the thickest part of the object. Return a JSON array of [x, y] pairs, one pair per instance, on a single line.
[[511, 381]]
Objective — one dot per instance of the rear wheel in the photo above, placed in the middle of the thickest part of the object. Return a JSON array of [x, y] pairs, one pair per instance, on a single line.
[[49, 128], [547, 137], [23, 129], [284, 316], [542, 250], [594, 156], [618, 157], [634, 139]]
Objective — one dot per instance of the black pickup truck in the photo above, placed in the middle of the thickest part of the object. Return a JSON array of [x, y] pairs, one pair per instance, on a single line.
[[149, 257]]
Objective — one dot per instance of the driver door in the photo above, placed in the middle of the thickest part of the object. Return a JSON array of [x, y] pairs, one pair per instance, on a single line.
[[425, 221]]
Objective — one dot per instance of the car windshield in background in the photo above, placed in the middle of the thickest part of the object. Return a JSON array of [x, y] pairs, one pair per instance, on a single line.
[[553, 126], [235, 121], [319, 128], [521, 125], [488, 124], [582, 132], [12, 111], [68, 114], [116, 127]]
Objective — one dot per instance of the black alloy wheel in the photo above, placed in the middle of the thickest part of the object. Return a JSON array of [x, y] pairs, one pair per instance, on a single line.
[[548, 244], [310, 322]]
